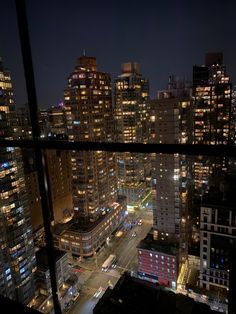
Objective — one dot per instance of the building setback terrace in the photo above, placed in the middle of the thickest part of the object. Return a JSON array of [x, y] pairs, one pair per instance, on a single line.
[[83, 240]]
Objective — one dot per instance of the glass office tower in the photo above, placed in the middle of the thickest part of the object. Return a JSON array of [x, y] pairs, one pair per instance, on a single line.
[[17, 259]]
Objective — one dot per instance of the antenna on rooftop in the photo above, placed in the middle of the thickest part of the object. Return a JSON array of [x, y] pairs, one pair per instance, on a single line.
[[84, 52]]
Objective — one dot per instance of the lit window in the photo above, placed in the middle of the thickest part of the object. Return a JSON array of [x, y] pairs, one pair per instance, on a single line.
[[8, 277]]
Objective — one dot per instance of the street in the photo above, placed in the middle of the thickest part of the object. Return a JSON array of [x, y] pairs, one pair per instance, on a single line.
[[93, 280]]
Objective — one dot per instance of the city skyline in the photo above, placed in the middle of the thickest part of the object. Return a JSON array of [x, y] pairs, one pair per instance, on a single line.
[[164, 38], [75, 222]]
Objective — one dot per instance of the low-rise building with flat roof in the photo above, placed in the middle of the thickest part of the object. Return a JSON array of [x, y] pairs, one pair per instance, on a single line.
[[158, 260], [83, 238]]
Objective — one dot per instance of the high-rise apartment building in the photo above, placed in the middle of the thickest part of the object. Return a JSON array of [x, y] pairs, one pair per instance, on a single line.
[[58, 165], [17, 259], [132, 126], [170, 124], [24, 129], [44, 123], [212, 103], [212, 92], [233, 116], [169, 120], [57, 162], [32, 187], [52, 121], [89, 113], [217, 239], [98, 210]]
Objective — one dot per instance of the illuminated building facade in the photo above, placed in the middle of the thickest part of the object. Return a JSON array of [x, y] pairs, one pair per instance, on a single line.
[[233, 116], [24, 129], [45, 129], [131, 93], [212, 94], [170, 124], [57, 120], [17, 259], [89, 113], [217, 237], [52, 121], [66, 281], [84, 240], [32, 187], [158, 260], [58, 165], [161, 254], [169, 171]]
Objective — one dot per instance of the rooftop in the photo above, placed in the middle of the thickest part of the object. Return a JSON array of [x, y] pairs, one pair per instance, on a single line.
[[15, 307], [169, 245], [42, 257], [136, 296], [82, 224], [222, 194]]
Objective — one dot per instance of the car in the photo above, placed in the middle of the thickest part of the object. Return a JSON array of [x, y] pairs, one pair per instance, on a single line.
[[134, 234], [140, 222], [98, 292]]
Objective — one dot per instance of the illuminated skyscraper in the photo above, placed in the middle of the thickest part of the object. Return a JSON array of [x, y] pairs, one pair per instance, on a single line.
[[131, 118], [212, 105], [170, 125], [17, 259], [212, 94], [233, 116], [89, 113]]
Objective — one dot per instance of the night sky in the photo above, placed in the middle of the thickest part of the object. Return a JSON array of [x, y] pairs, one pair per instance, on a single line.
[[165, 37]]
